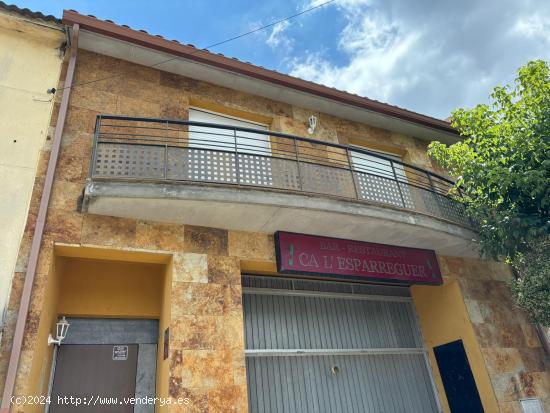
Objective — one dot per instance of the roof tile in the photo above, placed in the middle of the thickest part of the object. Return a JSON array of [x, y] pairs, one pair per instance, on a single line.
[[29, 13]]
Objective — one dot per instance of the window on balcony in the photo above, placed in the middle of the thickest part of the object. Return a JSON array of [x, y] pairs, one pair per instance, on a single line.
[[381, 179], [228, 154], [226, 139], [377, 166]]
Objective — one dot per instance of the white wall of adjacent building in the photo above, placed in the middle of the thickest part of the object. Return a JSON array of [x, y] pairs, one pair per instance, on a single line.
[[30, 64]]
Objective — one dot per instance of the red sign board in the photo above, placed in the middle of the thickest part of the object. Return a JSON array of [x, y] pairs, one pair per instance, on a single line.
[[355, 260]]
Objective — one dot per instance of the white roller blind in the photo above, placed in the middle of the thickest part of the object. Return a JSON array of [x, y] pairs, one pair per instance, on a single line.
[[377, 179], [377, 166], [224, 139]]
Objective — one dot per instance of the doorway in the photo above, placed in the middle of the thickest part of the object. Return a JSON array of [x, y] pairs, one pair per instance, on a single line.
[[457, 377], [100, 378], [105, 363]]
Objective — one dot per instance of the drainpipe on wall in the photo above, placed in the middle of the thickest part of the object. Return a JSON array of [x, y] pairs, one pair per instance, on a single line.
[[39, 230]]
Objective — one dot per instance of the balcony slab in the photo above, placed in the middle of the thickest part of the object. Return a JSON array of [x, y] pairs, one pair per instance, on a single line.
[[263, 210]]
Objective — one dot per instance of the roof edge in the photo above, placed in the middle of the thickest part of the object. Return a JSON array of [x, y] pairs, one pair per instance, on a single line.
[[142, 38], [25, 12]]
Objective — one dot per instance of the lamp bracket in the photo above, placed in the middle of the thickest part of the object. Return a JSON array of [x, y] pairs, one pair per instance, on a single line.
[[51, 341]]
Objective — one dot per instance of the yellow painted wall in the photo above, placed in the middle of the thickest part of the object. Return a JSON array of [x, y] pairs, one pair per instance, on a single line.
[[98, 288], [444, 318], [30, 64]]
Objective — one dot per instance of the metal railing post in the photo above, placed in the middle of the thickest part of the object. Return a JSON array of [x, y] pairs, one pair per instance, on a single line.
[[430, 182], [398, 186], [298, 165], [166, 155], [94, 146], [350, 163], [236, 156]]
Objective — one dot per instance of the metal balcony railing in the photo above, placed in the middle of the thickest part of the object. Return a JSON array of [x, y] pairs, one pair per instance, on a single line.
[[172, 150]]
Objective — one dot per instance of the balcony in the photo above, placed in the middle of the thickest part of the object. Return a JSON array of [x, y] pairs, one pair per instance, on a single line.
[[248, 179]]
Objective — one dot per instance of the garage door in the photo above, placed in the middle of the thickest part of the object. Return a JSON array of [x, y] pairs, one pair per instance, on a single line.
[[315, 346]]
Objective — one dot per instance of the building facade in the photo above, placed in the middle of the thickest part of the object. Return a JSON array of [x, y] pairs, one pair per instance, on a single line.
[[31, 55], [179, 174]]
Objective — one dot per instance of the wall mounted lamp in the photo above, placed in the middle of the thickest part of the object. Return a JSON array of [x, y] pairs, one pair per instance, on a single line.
[[61, 328], [312, 124]]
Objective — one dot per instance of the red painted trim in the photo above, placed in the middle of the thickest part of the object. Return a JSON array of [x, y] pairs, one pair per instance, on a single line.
[[188, 52], [38, 232]]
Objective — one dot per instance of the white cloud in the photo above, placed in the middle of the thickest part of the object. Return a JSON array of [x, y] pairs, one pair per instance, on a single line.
[[376, 48], [429, 56], [277, 37], [533, 26]]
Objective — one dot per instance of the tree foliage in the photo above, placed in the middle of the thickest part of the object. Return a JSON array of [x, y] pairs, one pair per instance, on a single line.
[[502, 167], [532, 288], [503, 162]]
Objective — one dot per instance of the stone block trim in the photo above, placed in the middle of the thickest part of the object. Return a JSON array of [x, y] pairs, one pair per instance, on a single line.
[[155, 236], [253, 246], [205, 240], [191, 268], [224, 270], [207, 358]]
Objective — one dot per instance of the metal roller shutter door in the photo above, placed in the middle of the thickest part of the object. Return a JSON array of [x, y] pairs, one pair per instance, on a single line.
[[298, 333]]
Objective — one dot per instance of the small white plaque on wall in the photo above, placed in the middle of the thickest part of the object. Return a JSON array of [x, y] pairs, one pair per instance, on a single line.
[[531, 406]]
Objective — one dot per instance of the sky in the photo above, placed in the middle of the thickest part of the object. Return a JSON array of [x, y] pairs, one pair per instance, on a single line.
[[428, 56]]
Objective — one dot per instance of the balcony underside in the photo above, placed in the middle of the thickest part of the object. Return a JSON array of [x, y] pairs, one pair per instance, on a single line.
[[264, 210]]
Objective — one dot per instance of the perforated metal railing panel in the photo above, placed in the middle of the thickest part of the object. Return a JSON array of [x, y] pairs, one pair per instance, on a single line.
[[255, 170], [129, 161], [316, 346], [326, 180], [201, 165], [285, 174], [451, 210], [383, 190]]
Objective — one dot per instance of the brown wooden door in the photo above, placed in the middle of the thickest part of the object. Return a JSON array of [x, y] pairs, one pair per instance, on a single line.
[[96, 374]]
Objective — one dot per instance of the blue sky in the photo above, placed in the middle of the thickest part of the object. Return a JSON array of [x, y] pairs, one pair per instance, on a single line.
[[430, 56]]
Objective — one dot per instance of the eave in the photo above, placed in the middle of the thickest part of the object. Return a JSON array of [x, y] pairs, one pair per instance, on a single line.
[[122, 42]]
